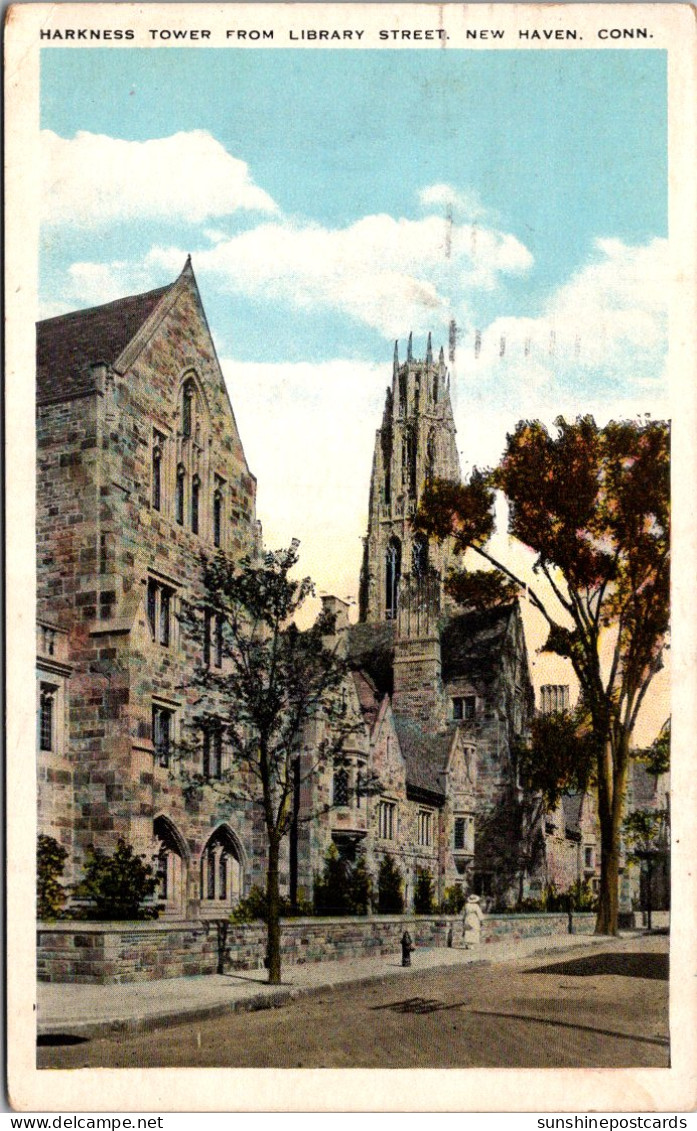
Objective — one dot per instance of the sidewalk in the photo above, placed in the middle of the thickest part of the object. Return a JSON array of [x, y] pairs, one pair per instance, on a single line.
[[90, 1011]]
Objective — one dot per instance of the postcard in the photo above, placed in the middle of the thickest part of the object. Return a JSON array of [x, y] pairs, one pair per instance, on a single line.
[[351, 651]]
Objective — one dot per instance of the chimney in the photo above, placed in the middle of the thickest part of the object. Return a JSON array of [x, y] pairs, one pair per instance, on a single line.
[[337, 608]]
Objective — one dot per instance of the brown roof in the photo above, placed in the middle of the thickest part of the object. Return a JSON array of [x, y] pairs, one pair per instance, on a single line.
[[68, 345], [426, 756]]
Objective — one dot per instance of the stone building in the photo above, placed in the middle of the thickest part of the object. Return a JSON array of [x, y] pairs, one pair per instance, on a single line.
[[140, 469]]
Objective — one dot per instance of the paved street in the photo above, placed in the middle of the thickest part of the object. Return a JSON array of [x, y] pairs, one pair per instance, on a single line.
[[603, 1005]]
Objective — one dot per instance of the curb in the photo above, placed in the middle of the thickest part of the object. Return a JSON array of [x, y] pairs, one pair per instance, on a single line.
[[277, 997]]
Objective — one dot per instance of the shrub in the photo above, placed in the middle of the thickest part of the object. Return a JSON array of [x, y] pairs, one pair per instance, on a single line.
[[117, 885], [50, 862], [342, 889], [583, 896], [255, 906], [454, 900], [423, 892], [390, 897]]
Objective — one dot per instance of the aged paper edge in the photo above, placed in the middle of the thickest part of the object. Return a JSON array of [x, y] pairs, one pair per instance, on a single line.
[[355, 1090]]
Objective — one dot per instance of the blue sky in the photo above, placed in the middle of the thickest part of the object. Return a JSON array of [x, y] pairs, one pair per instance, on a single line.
[[335, 200], [557, 148]]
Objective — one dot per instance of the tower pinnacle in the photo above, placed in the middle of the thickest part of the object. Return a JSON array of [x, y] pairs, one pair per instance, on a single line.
[[410, 356], [429, 350]]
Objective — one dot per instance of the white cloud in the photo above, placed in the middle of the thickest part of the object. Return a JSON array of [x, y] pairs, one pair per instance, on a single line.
[[92, 180], [446, 196], [600, 340], [387, 273]]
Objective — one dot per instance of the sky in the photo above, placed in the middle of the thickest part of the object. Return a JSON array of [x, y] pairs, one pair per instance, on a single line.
[[334, 201]]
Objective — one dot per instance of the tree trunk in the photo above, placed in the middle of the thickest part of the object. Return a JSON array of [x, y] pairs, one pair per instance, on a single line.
[[273, 936], [610, 809], [606, 922]]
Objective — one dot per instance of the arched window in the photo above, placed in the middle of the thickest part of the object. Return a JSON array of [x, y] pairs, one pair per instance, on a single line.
[[179, 495], [188, 408], [419, 556], [173, 865], [393, 570], [221, 869], [195, 496]]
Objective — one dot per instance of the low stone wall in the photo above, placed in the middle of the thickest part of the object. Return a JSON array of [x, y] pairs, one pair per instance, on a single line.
[[101, 953], [498, 927]]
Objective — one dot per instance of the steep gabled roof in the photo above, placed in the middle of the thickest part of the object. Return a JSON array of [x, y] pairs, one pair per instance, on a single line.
[[371, 649], [425, 753], [472, 644], [66, 346]]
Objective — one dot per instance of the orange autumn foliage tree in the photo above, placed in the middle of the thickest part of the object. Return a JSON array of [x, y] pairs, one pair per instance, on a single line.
[[593, 504]]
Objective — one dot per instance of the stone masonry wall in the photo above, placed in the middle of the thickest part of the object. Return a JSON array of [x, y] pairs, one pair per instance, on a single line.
[[104, 953]]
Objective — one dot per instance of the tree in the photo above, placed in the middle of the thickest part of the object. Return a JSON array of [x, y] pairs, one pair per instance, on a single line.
[[117, 885], [593, 504], [656, 757], [342, 889], [50, 862], [423, 892], [273, 683], [558, 757], [390, 889]]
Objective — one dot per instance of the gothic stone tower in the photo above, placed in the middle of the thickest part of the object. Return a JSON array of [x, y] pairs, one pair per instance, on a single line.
[[415, 443]]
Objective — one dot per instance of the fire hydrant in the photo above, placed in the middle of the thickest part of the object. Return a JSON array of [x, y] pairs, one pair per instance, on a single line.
[[407, 948]]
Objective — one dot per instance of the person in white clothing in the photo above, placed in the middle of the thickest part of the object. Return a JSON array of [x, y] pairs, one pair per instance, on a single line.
[[472, 924]]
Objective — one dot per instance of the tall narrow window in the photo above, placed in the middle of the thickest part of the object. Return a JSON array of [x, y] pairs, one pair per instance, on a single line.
[[210, 869], [430, 455], [217, 517], [195, 493], [218, 640], [212, 747], [157, 471], [386, 814], [162, 733], [47, 718], [419, 556], [425, 828], [187, 409], [159, 611], [341, 788], [165, 603], [393, 569], [207, 617], [222, 878], [179, 498], [152, 605]]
